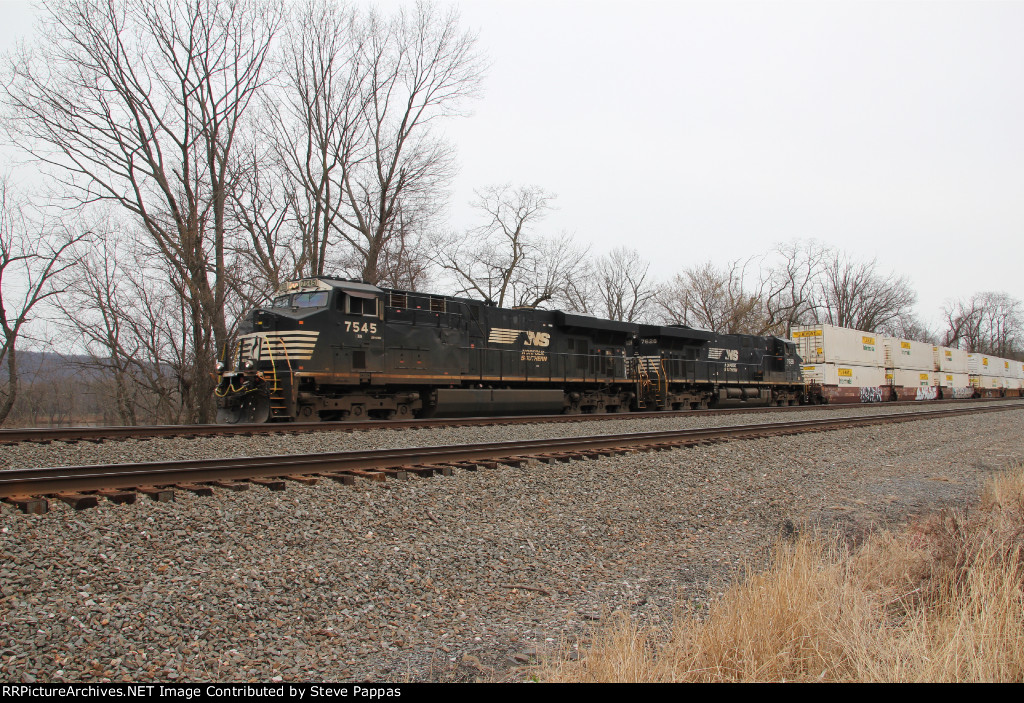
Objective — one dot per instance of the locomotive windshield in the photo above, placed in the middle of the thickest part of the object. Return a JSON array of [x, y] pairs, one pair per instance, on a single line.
[[317, 299]]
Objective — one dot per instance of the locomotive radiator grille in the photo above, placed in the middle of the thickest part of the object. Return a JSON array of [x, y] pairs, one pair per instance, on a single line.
[[290, 346]]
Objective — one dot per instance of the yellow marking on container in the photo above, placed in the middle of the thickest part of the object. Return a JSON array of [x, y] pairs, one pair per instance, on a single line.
[[924, 377], [905, 345], [809, 333], [846, 372], [867, 340]]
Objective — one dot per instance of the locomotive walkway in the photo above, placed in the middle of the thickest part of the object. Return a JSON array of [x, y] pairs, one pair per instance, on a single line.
[[83, 486], [45, 435]]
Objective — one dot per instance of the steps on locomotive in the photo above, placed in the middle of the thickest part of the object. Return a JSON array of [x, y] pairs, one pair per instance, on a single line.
[[649, 373]]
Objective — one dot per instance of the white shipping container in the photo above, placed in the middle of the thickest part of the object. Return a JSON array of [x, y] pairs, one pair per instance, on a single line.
[[951, 380], [845, 375], [978, 364], [950, 360], [909, 378], [827, 344], [908, 354], [986, 381]]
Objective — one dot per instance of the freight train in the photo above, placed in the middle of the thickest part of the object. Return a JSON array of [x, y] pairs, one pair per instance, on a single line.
[[333, 349], [847, 365]]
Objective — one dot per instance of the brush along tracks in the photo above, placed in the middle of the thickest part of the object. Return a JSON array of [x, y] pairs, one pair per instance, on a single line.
[[46, 435], [83, 486]]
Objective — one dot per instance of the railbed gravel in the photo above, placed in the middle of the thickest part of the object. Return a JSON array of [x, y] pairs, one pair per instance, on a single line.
[[29, 454], [449, 578]]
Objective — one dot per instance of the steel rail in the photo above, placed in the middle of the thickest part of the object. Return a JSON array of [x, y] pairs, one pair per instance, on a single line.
[[100, 434], [53, 480]]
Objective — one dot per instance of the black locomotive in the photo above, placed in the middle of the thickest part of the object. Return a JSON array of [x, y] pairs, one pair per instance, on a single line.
[[335, 349]]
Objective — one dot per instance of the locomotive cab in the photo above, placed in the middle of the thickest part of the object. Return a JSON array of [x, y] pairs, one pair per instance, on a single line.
[[279, 349]]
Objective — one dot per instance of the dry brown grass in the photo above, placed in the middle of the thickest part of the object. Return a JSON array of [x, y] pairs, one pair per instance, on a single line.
[[941, 601]]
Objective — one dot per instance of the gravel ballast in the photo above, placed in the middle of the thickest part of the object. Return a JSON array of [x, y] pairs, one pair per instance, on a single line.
[[446, 578], [27, 454]]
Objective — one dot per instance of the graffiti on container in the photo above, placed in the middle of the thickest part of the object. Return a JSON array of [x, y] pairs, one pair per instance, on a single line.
[[871, 394], [927, 393], [963, 392]]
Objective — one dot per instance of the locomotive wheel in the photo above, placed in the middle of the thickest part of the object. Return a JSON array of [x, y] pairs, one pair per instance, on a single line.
[[254, 408]]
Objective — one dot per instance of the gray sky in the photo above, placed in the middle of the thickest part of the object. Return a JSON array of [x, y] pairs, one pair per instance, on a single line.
[[712, 130]]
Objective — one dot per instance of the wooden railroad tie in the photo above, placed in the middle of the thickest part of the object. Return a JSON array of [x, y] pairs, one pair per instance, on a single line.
[[79, 501], [368, 475], [231, 485], [304, 480], [198, 489], [273, 484], [32, 505], [160, 494], [115, 495]]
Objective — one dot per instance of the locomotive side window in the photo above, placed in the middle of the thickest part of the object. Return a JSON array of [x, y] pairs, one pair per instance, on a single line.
[[367, 307]]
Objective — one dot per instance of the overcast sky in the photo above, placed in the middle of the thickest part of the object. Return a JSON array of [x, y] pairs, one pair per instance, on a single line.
[[712, 130]]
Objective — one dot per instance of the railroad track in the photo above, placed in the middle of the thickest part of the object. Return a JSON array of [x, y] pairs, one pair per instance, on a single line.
[[83, 486], [46, 435]]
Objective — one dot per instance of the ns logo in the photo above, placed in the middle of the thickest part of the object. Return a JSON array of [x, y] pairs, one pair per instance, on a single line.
[[500, 335], [537, 339]]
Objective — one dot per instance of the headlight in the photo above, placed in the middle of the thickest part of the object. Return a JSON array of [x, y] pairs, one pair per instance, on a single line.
[[221, 366]]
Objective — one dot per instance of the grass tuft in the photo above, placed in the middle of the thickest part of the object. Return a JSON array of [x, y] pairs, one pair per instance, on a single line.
[[940, 601]]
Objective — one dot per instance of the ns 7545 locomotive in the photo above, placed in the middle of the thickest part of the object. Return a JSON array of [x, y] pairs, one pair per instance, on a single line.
[[335, 349]]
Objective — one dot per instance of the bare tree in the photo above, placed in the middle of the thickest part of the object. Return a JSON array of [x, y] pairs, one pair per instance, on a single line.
[[133, 327], [365, 169], [907, 325], [33, 254], [138, 103], [856, 294], [504, 260], [487, 260], [988, 323], [712, 298], [551, 266], [623, 285], [790, 282], [318, 129]]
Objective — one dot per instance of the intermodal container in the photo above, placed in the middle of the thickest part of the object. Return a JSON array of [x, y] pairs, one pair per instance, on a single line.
[[908, 354], [950, 360], [828, 344], [979, 364], [951, 380], [909, 378], [844, 375]]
